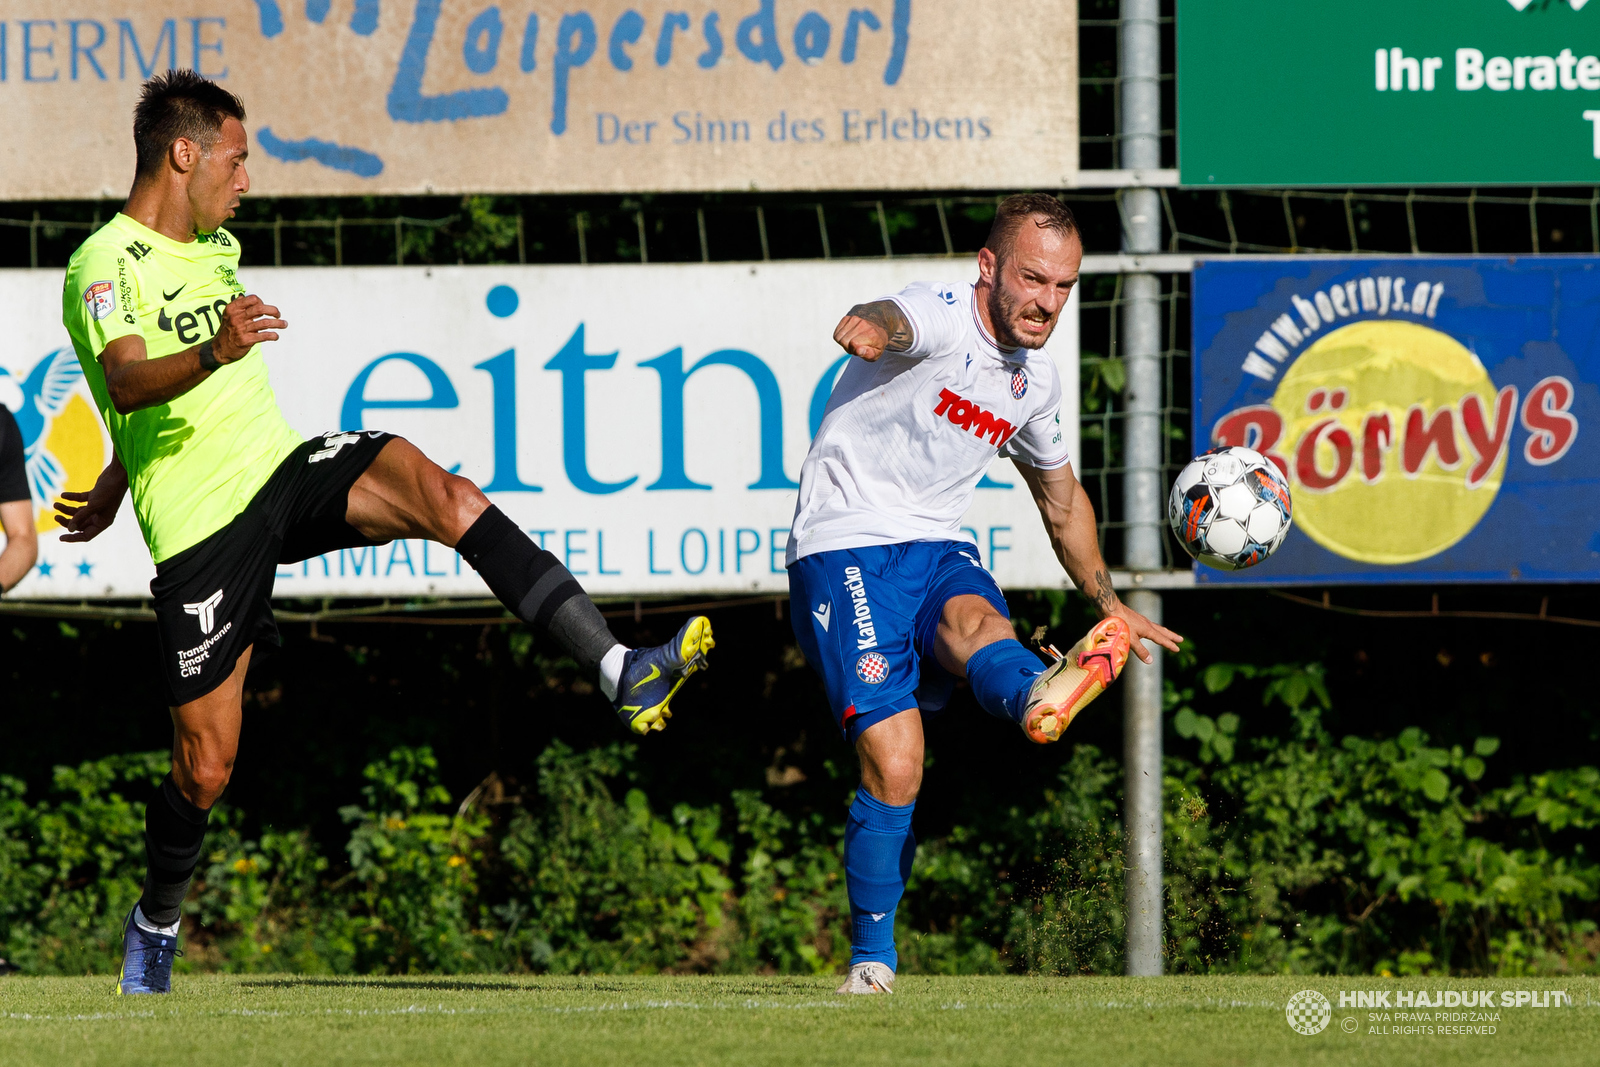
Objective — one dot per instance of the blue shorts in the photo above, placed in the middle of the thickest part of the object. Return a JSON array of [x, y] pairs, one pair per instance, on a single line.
[[866, 619]]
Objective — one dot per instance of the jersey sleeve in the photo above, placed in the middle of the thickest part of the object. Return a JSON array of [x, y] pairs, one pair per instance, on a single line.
[[103, 298], [1040, 443], [13, 463], [938, 322]]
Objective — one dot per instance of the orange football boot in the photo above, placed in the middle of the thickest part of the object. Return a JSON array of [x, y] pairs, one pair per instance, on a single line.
[[1068, 686]]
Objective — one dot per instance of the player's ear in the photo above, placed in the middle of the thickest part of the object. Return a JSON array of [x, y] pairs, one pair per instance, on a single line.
[[184, 154], [988, 265]]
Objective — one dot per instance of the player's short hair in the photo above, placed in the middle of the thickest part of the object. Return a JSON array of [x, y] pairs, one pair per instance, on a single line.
[[1042, 209], [179, 103]]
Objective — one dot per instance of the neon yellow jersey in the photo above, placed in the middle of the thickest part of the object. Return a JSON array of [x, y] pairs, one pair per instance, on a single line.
[[196, 461]]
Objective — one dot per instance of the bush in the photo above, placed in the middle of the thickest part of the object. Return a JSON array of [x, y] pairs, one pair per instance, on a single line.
[[1292, 851]]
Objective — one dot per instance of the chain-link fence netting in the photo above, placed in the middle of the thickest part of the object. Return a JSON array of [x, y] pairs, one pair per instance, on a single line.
[[764, 227]]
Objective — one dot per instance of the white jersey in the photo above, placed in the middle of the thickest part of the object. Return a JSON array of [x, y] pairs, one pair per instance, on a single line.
[[905, 439]]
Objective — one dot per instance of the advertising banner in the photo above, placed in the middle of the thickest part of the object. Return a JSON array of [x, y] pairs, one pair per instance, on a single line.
[[645, 423], [1371, 92], [1435, 416], [359, 97]]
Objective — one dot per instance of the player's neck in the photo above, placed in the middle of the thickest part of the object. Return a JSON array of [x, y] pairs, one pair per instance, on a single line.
[[163, 209], [980, 304]]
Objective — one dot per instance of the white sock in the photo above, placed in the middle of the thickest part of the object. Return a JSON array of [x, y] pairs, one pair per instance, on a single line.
[[149, 927], [611, 670]]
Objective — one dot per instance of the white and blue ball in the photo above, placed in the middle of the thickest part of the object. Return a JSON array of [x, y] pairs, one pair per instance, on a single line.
[[1230, 508]]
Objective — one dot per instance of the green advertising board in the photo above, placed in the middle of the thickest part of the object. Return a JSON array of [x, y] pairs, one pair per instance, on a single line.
[[1388, 92]]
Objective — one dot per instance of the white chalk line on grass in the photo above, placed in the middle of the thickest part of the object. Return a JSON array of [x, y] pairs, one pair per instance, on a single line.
[[423, 1009]]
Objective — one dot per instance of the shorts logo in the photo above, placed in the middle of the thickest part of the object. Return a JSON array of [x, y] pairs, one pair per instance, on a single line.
[[101, 300], [334, 441], [866, 633], [824, 615], [872, 668], [1019, 383], [206, 610]]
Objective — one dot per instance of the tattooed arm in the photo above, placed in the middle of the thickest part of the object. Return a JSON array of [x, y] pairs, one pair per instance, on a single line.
[[1069, 519], [869, 330]]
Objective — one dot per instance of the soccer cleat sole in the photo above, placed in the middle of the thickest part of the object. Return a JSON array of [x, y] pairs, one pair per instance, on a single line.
[[1075, 680], [697, 641]]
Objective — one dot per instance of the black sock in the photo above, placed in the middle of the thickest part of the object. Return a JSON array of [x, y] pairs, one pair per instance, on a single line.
[[174, 830], [536, 587]]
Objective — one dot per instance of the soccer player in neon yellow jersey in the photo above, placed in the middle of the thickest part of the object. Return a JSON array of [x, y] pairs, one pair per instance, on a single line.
[[224, 490]]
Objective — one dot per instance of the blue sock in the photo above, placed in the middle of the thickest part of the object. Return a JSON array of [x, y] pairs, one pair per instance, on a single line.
[[1001, 675], [878, 849]]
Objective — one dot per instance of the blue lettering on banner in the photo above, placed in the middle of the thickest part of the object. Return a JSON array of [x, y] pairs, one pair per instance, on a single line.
[[406, 102], [683, 551], [600, 553], [29, 49], [530, 45], [397, 547], [357, 161], [994, 546], [651, 549], [426, 573], [502, 371], [575, 42], [480, 50], [669, 365], [441, 394], [85, 47], [628, 29], [776, 551], [359, 559], [740, 552], [570, 551], [574, 363], [197, 27], [128, 38], [87, 51]]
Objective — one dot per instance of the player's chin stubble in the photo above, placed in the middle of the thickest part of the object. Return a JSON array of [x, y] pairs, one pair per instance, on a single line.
[[1003, 313]]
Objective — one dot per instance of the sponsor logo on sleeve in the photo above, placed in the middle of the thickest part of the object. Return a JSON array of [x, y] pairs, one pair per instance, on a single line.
[[101, 299]]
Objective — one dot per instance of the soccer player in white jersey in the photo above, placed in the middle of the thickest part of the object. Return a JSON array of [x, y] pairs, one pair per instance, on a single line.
[[890, 601]]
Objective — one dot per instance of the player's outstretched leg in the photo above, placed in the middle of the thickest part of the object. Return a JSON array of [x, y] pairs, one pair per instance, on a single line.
[[1009, 682], [402, 493]]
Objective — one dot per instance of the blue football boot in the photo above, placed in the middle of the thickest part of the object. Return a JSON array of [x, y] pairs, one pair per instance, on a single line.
[[146, 960], [651, 676]]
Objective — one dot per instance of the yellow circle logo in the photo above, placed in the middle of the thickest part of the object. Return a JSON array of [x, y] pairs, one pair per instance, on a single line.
[[1395, 440]]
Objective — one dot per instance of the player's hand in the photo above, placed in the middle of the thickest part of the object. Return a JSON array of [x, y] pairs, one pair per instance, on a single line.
[[1142, 628], [96, 513], [245, 323], [861, 338]]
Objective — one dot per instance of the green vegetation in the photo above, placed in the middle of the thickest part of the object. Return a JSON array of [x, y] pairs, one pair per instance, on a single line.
[[751, 1021], [1292, 853]]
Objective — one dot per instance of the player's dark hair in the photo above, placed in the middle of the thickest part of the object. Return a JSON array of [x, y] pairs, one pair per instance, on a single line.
[[1042, 209], [179, 103]]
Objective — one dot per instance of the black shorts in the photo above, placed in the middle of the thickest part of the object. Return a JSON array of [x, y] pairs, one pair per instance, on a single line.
[[213, 599]]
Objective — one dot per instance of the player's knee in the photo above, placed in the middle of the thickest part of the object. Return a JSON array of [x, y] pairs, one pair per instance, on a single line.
[[898, 779], [207, 778], [461, 502]]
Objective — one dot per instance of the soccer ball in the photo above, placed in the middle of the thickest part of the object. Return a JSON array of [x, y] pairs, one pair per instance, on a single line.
[[1230, 507]]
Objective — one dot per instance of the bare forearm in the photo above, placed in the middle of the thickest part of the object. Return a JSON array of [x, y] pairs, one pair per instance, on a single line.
[[1077, 544], [146, 383], [22, 543]]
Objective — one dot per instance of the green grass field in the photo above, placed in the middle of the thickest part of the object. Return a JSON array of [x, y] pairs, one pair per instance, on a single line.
[[603, 1022]]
